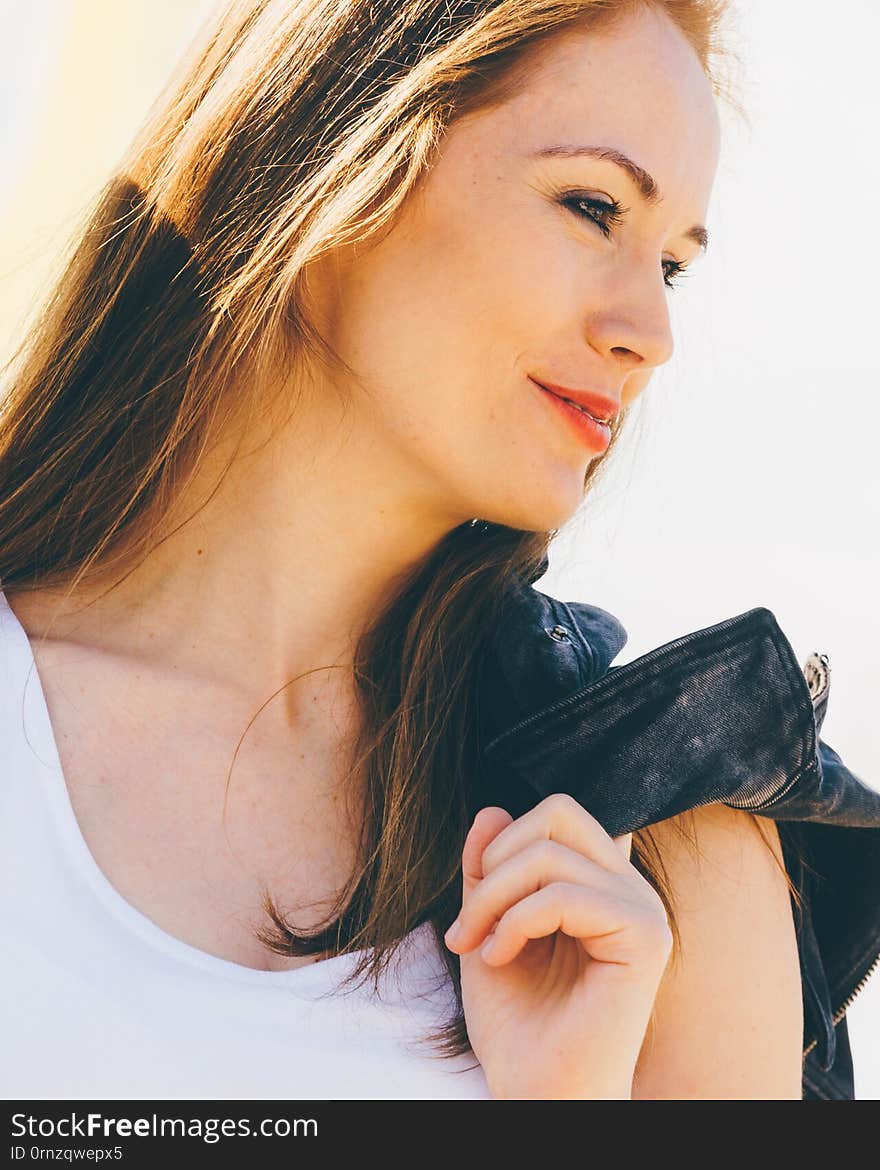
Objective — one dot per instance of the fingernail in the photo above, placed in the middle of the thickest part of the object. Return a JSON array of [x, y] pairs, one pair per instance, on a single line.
[[454, 931], [488, 946]]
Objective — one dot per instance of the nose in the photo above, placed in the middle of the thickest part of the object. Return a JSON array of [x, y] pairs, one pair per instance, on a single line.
[[630, 325]]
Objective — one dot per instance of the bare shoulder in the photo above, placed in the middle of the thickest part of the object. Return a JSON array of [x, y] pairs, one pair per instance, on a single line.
[[728, 1017]]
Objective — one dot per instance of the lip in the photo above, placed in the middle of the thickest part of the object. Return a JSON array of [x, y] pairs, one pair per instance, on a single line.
[[600, 405], [596, 435]]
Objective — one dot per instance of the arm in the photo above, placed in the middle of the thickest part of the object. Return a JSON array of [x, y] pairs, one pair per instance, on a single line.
[[728, 1016]]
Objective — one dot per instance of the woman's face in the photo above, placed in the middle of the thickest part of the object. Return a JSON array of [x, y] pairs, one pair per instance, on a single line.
[[508, 264]]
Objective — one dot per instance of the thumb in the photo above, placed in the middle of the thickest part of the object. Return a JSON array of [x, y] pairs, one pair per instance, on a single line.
[[485, 827]]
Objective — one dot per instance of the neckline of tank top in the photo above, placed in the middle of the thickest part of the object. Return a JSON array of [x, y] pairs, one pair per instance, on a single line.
[[38, 735]]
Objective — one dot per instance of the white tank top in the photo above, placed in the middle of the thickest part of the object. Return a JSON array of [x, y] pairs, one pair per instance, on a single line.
[[97, 1001]]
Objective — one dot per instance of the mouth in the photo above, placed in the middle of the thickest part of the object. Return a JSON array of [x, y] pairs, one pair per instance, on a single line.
[[593, 430], [599, 407], [582, 409]]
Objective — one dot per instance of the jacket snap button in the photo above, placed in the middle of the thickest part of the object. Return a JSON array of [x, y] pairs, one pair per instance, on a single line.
[[558, 633]]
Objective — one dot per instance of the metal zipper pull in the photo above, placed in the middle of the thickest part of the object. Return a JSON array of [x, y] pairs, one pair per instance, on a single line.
[[817, 672]]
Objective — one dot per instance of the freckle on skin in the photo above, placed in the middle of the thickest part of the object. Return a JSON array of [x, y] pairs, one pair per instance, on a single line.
[[199, 551]]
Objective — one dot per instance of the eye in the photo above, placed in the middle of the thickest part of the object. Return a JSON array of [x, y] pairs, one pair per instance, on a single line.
[[673, 272], [604, 213], [607, 214]]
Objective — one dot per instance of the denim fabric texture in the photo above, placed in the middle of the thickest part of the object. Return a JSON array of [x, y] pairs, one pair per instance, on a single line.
[[723, 714]]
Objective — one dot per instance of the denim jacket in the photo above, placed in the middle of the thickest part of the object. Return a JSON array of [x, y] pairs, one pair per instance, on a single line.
[[723, 714]]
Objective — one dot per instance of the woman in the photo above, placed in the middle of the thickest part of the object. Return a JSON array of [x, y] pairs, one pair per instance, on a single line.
[[325, 315]]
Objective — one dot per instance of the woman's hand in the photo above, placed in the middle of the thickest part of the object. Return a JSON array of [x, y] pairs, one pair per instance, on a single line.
[[579, 942]]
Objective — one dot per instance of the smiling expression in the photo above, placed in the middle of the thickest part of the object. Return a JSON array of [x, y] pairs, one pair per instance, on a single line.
[[544, 244]]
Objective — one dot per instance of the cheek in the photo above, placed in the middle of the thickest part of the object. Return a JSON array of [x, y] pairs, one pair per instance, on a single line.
[[451, 299], [488, 273], [505, 281]]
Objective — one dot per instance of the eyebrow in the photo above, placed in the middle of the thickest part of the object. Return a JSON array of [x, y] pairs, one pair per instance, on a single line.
[[645, 182]]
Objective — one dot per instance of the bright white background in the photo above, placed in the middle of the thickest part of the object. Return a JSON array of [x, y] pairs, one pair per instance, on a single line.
[[751, 476]]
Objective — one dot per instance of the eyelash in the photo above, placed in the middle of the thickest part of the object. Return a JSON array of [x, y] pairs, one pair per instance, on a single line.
[[615, 212]]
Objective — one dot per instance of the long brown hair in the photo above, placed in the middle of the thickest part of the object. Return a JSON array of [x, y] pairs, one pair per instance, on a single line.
[[291, 127]]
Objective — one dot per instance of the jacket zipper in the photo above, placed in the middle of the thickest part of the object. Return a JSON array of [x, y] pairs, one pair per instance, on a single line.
[[845, 1006]]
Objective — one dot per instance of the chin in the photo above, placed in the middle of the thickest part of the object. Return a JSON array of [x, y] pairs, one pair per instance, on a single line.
[[537, 512]]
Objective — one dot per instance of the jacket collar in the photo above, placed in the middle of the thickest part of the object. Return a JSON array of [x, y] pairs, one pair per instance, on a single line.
[[723, 713]]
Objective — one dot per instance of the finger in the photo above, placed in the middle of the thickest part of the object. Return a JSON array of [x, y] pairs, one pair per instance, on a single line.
[[486, 825], [558, 817], [601, 922], [539, 864]]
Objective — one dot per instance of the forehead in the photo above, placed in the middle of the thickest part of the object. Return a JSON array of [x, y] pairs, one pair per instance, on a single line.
[[636, 85]]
